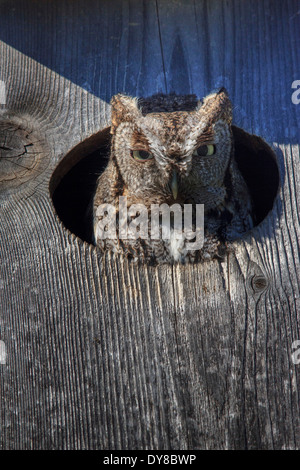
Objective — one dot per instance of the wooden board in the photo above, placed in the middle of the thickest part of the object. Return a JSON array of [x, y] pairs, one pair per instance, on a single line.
[[102, 354]]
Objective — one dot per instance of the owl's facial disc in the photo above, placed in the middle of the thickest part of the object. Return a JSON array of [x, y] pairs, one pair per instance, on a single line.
[[171, 156]]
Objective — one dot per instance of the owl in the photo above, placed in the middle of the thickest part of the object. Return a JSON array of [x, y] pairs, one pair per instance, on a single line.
[[168, 150]]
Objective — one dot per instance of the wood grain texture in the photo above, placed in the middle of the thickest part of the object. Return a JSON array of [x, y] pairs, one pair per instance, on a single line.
[[102, 354]]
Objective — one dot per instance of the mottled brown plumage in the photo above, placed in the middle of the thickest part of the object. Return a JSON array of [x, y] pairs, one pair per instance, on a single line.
[[171, 136]]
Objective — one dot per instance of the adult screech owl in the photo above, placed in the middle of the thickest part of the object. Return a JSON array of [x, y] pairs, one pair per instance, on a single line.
[[184, 157]]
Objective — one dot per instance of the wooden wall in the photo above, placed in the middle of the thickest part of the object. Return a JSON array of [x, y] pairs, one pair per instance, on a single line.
[[100, 354]]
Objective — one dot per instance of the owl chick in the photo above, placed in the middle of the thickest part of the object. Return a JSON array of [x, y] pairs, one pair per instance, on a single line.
[[173, 157]]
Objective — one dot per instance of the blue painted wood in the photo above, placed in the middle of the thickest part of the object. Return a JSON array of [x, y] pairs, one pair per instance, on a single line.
[[143, 47]]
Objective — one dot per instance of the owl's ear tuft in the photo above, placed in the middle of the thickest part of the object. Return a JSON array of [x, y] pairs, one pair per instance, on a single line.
[[123, 109], [216, 106]]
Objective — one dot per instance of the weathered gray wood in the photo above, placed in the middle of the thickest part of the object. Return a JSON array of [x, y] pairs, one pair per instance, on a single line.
[[102, 354]]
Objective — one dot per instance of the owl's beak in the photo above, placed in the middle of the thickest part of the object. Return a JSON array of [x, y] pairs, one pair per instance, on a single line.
[[174, 184]]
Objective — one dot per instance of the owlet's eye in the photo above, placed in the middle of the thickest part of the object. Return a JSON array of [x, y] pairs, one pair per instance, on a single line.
[[141, 155], [205, 151]]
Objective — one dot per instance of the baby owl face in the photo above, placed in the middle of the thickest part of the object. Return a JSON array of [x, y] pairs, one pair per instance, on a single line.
[[172, 156]]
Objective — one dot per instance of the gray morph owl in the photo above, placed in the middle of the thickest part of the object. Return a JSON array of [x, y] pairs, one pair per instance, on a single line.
[[161, 155]]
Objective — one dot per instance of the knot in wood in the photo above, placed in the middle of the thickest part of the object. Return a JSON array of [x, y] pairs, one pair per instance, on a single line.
[[23, 154], [259, 283]]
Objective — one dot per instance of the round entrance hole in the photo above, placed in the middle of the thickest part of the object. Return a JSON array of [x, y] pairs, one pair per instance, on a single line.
[[74, 180], [73, 183], [258, 164]]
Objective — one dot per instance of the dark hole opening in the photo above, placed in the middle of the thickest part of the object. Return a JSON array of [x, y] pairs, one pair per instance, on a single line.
[[258, 164], [74, 181]]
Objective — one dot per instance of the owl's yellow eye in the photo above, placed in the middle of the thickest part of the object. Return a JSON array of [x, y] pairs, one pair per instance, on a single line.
[[141, 155], [205, 151]]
